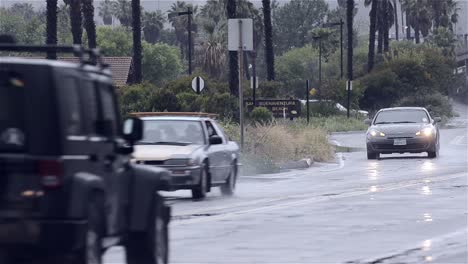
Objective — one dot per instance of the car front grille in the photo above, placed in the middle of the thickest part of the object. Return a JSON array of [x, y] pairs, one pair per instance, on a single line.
[[407, 146], [153, 162]]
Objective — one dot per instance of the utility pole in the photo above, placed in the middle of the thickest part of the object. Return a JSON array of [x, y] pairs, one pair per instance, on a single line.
[[340, 23], [189, 29], [341, 47], [241, 95], [307, 99], [349, 19], [254, 80], [320, 67], [189, 13]]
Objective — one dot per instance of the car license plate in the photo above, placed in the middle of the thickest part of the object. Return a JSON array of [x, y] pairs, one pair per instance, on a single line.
[[399, 142]]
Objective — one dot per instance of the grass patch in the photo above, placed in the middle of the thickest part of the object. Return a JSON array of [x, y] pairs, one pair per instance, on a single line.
[[266, 146]]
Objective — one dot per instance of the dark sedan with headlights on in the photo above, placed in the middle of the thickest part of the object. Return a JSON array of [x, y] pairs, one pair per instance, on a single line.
[[402, 130], [193, 147]]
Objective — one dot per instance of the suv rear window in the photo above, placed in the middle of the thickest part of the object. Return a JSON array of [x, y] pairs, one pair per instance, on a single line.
[[12, 92]]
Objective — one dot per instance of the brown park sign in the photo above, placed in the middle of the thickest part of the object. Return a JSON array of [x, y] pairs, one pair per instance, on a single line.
[[279, 107]]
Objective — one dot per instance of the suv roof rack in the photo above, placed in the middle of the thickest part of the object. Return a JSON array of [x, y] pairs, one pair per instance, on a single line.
[[192, 114], [86, 56]]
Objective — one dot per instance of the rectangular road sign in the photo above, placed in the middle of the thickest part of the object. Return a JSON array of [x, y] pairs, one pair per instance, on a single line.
[[247, 34]]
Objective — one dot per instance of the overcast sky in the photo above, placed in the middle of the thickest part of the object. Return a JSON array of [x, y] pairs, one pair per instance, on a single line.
[[361, 21]]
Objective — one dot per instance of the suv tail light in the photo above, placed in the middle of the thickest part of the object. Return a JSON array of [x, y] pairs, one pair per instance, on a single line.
[[51, 173]]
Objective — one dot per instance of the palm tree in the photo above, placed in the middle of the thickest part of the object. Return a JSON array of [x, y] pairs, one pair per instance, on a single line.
[[153, 23], [106, 12], [269, 52], [231, 11], [214, 51], [51, 26], [444, 13], [90, 26], [395, 7], [418, 16], [372, 32], [76, 20], [136, 27], [122, 10]]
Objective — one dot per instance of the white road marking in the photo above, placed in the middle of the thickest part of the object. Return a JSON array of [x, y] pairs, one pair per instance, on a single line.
[[316, 199]]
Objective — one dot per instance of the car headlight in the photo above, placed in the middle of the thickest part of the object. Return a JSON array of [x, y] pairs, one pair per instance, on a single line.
[[428, 131], [376, 133], [192, 162]]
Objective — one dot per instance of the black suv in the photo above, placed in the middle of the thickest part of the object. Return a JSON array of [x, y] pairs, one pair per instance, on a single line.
[[67, 188]]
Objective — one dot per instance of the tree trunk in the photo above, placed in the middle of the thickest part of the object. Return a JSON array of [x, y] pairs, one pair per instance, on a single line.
[[408, 27], [385, 25], [76, 21], [269, 52], [90, 26], [380, 40], [51, 26], [372, 31], [416, 32], [136, 21], [233, 62], [395, 8]]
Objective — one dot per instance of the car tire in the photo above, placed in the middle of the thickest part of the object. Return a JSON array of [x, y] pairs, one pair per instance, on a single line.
[[199, 192], [373, 155], [92, 251], [152, 246], [435, 152], [228, 188]]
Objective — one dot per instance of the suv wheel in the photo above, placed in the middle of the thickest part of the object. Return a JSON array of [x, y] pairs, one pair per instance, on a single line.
[[228, 188], [92, 251], [199, 192], [151, 247]]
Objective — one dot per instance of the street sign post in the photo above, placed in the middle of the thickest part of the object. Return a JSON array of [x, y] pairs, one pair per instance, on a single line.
[[253, 81], [240, 38], [237, 32], [198, 84]]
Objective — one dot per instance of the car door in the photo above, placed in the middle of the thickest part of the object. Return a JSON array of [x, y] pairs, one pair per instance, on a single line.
[[112, 164], [227, 153], [216, 155]]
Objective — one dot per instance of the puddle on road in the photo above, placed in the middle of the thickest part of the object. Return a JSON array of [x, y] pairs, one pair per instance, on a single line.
[[343, 149], [191, 216]]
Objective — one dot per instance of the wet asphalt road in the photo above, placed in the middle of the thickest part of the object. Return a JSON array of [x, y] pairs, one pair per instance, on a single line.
[[400, 209]]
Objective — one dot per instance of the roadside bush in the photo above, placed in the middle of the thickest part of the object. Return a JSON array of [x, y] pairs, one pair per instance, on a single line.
[[223, 104], [135, 98], [320, 109], [164, 101], [269, 89], [160, 62], [436, 104], [261, 115], [189, 102]]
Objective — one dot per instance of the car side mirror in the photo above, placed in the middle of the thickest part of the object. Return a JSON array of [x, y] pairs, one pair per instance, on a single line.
[[216, 140], [437, 119], [133, 130], [367, 122]]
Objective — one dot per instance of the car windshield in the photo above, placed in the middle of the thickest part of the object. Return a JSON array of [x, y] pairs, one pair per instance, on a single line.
[[172, 132], [401, 116]]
